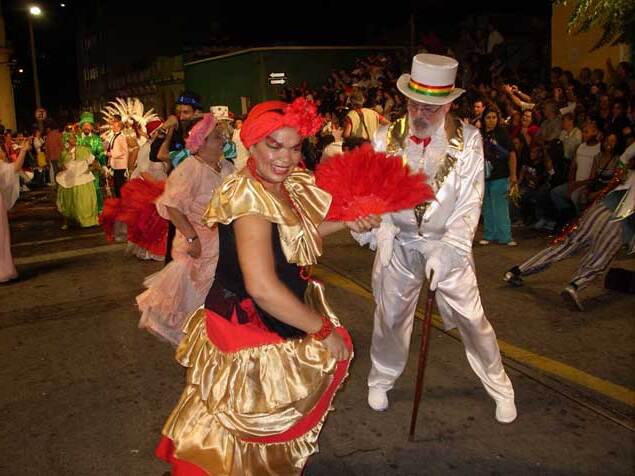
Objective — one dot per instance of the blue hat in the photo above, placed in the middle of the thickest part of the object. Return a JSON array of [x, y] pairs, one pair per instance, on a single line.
[[189, 99]]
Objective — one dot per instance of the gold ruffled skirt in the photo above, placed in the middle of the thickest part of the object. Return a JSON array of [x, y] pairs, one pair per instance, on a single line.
[[254, 403]]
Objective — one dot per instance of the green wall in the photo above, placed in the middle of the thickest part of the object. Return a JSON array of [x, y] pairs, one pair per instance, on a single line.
[[223, 80]]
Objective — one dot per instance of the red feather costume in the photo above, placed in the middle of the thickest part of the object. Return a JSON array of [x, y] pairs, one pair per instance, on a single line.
[[136, 209]]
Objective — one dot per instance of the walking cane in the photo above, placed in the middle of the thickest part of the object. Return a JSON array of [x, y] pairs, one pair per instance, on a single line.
[[423, 354]]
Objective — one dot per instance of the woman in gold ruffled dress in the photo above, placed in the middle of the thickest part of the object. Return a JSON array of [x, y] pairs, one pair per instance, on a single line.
[[266, 354]]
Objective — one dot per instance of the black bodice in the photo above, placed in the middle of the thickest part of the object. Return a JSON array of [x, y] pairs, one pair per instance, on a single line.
[[229, 290]]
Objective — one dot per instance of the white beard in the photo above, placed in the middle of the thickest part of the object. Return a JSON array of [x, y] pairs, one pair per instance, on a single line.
[[428, 130]]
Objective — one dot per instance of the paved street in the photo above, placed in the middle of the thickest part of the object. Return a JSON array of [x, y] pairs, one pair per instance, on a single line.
[[85, 392]]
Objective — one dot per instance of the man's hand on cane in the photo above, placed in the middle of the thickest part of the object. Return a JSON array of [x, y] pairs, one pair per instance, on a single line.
[[432, 264], [440, 258]]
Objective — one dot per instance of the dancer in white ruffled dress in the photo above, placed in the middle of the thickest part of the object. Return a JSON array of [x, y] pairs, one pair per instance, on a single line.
[[9, 192]]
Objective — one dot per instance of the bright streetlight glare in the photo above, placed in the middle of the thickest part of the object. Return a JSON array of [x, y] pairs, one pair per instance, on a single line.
[[62, 5], [36, 11], [20, 70]]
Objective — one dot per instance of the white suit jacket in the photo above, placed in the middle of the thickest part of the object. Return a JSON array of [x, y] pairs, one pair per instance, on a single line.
[[454, 164], [119, 152]]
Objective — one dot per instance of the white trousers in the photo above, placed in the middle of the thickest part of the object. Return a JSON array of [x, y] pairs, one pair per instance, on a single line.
[[396, 290]]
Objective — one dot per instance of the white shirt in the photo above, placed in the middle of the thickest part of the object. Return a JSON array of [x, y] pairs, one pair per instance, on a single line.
[[76, 170], [570, 141], [332, 149], [38, 142], [118, 147], [625, 158], [242, 154], [570, 107], [145, 165], [428, 160], [584, 157]]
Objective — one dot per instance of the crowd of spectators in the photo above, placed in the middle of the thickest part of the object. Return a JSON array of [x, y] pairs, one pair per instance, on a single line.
[[41, 158], [551, 143]]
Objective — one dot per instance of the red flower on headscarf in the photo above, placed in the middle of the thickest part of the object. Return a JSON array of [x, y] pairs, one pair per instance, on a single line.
[[302, 115]]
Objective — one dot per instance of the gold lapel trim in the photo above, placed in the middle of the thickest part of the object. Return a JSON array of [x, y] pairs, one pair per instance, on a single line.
[[396, 136], [454, 129]]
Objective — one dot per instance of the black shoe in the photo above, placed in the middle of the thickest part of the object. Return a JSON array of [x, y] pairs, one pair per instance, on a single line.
[[512, 277]]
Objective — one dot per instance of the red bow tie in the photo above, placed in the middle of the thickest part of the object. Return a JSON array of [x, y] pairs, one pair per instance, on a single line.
[[425, 141]]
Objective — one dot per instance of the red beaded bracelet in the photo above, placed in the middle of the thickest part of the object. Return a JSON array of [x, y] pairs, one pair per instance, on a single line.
[[325, 330], [305, 273]]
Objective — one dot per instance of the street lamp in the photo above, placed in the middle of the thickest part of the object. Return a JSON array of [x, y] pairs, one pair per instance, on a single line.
[[34, 11]]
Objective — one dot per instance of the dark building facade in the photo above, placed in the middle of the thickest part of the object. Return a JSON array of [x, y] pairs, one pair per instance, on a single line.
[[125, 51]]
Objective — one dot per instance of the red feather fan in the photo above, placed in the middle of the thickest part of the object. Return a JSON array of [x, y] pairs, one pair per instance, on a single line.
[[364, 182], [146, 228]]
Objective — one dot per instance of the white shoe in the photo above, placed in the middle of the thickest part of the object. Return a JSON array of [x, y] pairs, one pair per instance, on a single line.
[[511, 243], [377, 399], [570, 295], [484, 242], [505, 411]]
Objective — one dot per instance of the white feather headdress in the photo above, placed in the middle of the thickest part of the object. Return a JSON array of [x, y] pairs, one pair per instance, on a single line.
[[131, 111]]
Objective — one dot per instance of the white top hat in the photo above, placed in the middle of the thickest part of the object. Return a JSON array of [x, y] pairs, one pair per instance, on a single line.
[[432, 80], [220, 113]]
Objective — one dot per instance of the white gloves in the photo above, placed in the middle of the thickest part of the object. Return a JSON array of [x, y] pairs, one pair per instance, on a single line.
[[440, 258], [385, 235], [439, 255], [380, 239]]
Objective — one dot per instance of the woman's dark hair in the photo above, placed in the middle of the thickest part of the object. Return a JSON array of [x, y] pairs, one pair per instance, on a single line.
[[622, 103], [570, 116], [323, 141], [489, 109], [524, 152], [461, 108], [351, 143]]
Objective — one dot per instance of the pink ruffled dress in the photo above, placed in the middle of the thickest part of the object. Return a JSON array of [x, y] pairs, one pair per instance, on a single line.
[[180, 288], [9, 191]]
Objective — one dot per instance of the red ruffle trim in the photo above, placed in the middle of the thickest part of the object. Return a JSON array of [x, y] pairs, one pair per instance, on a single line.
[[135, 208], [165, 451], [225, 335]]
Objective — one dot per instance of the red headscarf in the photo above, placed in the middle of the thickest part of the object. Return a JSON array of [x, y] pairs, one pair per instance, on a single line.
[[269, 116]]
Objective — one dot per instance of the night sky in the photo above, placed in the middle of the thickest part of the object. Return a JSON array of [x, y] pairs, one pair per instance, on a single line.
[[54, 33], [225, 24]]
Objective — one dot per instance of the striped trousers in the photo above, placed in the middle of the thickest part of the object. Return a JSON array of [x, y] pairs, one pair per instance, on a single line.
[[602, 237]]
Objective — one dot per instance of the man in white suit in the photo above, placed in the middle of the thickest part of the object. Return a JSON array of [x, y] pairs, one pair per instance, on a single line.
[[436, 236], [117, 153]]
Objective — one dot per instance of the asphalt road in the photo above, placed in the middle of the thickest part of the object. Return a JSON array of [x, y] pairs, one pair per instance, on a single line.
[[85, 392]]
